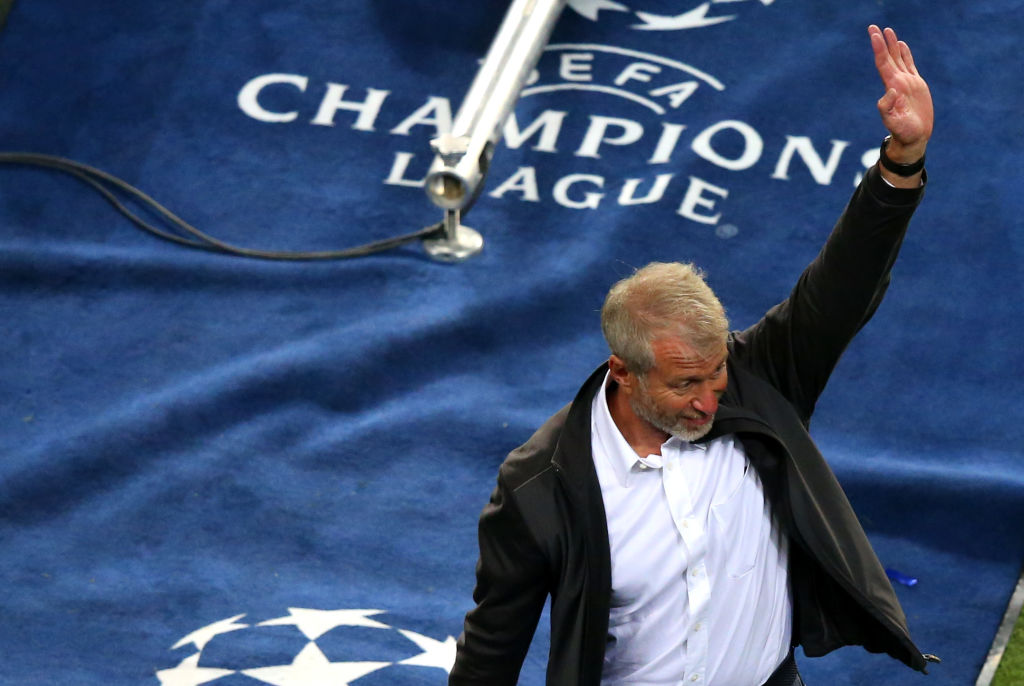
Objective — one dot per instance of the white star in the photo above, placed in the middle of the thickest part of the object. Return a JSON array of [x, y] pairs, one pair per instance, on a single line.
[[200, 637], [315, 623], [695, 18], [312, 668], [435, 653], [189, 673], [590, 8]]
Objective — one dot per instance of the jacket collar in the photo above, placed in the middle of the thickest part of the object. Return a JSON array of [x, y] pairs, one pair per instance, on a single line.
[[731, 419], [572, 456]]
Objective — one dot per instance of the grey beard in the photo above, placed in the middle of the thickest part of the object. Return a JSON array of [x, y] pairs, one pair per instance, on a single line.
[[670, 425]]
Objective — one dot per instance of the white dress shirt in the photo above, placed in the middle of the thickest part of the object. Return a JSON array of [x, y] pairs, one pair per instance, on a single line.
[[700, 591]]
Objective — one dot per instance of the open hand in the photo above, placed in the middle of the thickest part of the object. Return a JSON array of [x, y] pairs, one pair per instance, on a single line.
[[906, 107]]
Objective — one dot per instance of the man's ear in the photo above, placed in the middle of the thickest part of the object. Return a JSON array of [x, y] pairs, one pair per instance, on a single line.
[[625, 379]]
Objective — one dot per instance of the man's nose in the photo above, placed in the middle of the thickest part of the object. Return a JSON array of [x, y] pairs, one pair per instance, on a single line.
[[706, 401]]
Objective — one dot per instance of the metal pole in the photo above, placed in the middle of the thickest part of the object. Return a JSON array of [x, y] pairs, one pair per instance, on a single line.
[[463, 155]]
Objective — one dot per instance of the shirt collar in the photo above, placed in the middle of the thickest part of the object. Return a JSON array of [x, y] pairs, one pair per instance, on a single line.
[[614, 447]]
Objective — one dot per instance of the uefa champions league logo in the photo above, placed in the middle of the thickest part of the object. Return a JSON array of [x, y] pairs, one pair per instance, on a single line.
[[316, 654], [704, 14], [646, 129]]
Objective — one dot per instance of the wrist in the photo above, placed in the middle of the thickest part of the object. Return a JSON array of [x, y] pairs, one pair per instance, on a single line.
[[903, 154], [903, 161]]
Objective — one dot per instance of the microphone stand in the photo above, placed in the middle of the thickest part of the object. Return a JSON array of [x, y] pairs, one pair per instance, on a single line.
[[462, 157]]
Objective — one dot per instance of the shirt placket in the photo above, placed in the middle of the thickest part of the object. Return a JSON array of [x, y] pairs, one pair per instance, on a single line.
[[693, 531]]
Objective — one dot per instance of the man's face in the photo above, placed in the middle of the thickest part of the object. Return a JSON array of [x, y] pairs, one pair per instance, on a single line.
[[679, 395]]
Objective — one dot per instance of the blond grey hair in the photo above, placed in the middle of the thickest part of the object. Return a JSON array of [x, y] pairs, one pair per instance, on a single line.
[[661, 299]]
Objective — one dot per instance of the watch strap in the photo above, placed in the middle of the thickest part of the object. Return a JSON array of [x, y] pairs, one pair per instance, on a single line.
[[895, 167]]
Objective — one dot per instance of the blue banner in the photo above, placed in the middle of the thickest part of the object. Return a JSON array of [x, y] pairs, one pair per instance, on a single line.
[[239, 471]]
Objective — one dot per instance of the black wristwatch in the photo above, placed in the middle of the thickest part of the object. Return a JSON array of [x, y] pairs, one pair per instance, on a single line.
[[899, 169]]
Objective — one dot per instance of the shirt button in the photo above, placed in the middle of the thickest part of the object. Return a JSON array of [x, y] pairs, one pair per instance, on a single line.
[[696, 627], [695, 677]]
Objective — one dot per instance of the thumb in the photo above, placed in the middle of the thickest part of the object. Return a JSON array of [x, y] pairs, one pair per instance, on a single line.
[[888, 101]]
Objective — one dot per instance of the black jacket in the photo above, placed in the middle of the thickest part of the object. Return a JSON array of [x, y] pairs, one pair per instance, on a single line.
[[544, 530]]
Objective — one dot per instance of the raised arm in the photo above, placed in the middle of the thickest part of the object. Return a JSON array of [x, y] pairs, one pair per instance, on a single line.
[[797, 344], [906, 107]]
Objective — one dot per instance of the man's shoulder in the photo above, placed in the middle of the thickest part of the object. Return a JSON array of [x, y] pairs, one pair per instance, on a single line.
[[562, 443], [534, 457]]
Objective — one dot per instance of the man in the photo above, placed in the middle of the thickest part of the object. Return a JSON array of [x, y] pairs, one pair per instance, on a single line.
[[677, 512]]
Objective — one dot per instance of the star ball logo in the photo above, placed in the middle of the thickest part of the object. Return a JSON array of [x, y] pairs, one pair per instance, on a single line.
[[697, 17], [312, 651], [623, 120]]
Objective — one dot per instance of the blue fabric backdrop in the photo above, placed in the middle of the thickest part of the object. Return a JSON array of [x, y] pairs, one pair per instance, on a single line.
[[220, 470]]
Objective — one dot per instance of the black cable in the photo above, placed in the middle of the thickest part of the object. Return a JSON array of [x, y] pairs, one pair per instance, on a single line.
[[99, 181]]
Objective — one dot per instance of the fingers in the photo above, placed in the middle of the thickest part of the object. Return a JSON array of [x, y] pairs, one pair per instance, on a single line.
[[877, 41], [908, 58], [887, 69], [882, 60], [891, 54], [895, 52]]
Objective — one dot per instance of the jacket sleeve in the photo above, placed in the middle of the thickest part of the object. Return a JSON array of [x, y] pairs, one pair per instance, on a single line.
[[511, 588], [797, 344]]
